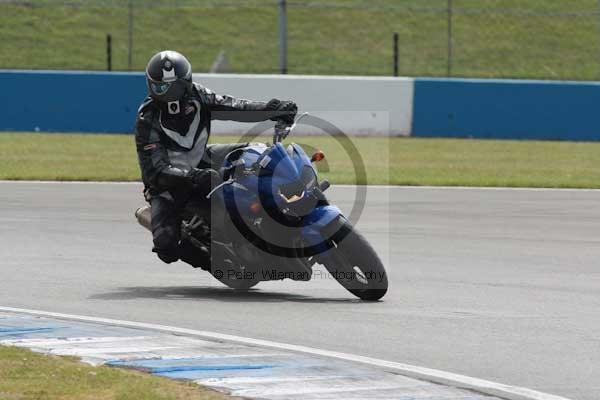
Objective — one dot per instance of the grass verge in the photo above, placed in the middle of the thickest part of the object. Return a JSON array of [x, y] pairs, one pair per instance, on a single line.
[[28, 375], [395, 161], [500, 38]]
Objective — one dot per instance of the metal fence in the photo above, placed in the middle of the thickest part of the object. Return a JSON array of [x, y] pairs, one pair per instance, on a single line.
[[548, 39]]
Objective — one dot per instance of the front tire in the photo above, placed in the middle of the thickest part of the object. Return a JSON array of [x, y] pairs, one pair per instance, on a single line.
[[355, 264]]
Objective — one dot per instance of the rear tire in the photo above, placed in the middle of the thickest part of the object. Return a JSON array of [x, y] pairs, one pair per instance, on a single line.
[[355, 264], [237, 284], [230, 273]]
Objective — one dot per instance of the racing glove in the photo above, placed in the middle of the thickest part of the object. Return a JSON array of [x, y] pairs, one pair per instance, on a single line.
[[204, 177], [282, 110]]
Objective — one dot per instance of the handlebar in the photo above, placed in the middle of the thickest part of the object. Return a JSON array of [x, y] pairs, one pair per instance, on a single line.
[[282, 129]]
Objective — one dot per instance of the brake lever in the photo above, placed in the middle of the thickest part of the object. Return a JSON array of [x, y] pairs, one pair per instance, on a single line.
[[282, 130], [291, 128], [219, 186]]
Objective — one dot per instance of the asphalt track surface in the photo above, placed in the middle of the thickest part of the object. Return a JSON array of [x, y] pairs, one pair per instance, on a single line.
[[499, 284]]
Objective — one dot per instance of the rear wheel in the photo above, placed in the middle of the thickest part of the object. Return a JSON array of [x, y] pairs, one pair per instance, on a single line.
[[355, 264], [230, 272], [236, 283]]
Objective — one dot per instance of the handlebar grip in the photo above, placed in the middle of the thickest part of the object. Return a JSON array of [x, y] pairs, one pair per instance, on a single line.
[[282, 123]]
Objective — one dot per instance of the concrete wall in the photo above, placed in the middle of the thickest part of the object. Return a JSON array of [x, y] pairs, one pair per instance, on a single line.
[[506, 109], [357, 106], [69, 101], [107, 102]]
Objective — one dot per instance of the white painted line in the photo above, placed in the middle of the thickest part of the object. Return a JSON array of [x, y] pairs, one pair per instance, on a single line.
[[333, 185], [427, 374], [104, 351], [70, 341], [261, 380], [306, 389]]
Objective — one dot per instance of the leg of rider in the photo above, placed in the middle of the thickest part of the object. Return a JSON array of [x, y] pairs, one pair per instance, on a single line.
[[166, 227], [166, 231], [213, 158]]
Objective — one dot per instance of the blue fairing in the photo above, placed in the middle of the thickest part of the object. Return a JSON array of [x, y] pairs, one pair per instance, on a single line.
[[244, 192], [280, 166], [316, 221], [286, 166]]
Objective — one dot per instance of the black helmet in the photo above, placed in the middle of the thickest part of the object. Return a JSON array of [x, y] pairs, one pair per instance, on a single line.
[[169, 76]]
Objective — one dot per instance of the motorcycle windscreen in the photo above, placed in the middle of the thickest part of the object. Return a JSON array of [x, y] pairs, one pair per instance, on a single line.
[[287, 185], [278, 169]]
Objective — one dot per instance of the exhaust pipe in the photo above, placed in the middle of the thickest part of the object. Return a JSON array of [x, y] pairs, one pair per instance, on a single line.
[[144, 217]]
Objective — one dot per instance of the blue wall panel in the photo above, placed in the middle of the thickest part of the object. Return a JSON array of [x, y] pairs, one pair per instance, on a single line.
[[70, 101], [511, 109], [506, 109]]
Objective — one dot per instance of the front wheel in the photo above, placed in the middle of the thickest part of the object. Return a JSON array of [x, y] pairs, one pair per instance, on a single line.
[[355, 264]]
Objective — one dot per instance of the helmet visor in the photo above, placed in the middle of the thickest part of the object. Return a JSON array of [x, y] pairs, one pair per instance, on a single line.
[[160, 88]]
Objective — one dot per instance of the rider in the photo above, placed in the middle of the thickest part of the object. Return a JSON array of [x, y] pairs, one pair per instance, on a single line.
[[171, 135]]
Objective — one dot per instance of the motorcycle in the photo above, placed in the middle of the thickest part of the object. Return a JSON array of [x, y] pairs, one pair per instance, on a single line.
[[270, 220]]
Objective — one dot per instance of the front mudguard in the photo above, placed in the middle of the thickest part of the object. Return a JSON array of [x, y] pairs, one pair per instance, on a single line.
[[317, 230]]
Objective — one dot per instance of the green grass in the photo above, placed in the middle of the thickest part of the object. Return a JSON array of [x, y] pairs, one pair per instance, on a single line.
[[553, 39], [396, 161], [25, 375]]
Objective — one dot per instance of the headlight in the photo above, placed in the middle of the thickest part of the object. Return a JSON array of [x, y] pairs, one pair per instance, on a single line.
[[294, 198], [292, 192]]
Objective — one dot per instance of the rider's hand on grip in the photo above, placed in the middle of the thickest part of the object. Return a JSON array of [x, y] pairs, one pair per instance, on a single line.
[[204, 177], [284, 110]]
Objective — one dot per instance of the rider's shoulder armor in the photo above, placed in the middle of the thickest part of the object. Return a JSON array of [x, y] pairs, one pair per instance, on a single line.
[[201, 89], [147, 110], [203, 94]]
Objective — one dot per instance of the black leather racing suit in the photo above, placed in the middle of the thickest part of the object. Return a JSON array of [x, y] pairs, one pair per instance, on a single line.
[[169, 146]]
